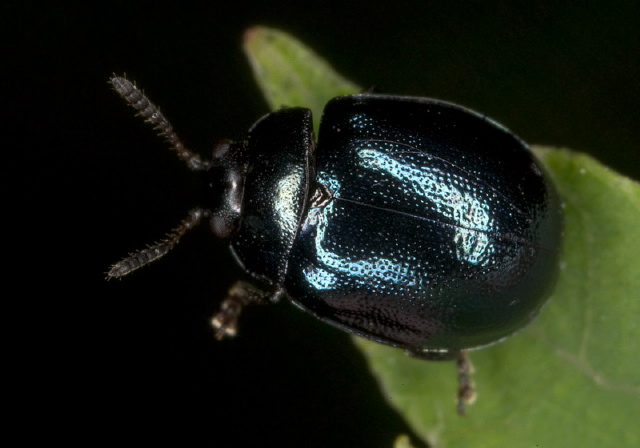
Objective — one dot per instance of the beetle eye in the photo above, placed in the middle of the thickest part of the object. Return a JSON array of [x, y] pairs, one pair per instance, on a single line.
[[220, 149], [223, 226], [223, 197]]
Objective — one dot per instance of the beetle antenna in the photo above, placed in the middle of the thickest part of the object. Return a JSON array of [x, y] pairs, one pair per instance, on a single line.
[[151, 113], [155, 251]]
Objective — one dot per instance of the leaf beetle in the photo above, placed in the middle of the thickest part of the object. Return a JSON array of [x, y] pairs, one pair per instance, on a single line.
[[412, 222]]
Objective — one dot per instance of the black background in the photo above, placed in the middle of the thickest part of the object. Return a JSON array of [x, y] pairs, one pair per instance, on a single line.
[[84, 182]]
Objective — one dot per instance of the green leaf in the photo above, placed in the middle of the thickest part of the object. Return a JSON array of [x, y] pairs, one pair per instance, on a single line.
[[291, 74], [572, 377]]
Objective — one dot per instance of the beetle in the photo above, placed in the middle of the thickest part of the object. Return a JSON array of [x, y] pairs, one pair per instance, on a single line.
[[413, 222]]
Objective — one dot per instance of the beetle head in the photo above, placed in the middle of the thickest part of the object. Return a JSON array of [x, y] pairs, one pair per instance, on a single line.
[[224, 183]]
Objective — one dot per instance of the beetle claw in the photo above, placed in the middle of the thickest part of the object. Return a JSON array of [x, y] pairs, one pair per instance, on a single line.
[[225, 322]]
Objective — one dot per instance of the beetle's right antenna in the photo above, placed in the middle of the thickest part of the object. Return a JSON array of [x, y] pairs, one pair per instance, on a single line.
[[151, 113], [157, 250]]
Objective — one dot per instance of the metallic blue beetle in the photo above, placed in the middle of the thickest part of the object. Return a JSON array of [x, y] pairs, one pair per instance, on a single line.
[[413, 222]]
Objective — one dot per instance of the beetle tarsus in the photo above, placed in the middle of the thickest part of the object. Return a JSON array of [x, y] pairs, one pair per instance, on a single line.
[[156, 251], [466, 392], [241, 294]]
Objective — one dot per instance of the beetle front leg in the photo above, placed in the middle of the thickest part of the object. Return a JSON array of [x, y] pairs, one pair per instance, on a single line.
[[241, 294]]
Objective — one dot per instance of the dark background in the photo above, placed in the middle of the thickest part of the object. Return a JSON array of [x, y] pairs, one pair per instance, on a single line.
[[84, 183]]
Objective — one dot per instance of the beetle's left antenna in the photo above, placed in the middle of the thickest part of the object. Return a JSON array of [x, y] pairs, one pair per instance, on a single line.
[[151, 113]]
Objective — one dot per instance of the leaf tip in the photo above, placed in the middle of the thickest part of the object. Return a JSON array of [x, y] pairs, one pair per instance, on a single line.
[[252, 33]]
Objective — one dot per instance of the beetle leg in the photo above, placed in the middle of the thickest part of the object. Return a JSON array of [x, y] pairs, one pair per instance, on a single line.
[[466, 393], [241, 294]]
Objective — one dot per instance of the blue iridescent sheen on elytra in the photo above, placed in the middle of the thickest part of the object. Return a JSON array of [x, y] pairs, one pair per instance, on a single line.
[[438, 235], [413, 222]]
